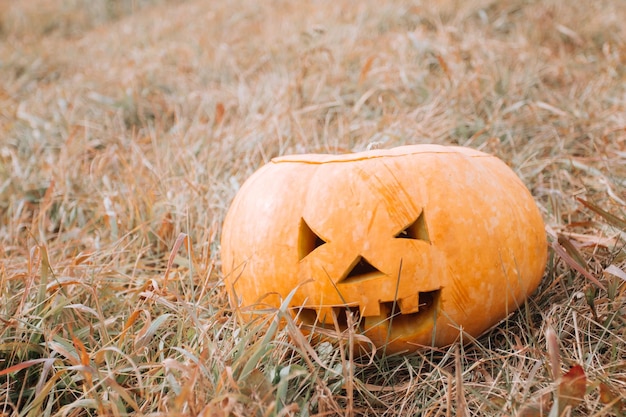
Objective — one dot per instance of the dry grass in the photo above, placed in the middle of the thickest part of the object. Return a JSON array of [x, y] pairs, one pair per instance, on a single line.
[[126, 125]]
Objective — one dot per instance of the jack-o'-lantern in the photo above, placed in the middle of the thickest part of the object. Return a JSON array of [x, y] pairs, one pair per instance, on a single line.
[[421, 242]]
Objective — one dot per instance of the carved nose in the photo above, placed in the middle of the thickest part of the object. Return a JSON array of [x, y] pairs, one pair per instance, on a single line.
[[360, 269]]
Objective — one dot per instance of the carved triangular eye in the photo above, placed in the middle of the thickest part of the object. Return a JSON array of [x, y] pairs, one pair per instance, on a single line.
[[308, 240], [416, 230]]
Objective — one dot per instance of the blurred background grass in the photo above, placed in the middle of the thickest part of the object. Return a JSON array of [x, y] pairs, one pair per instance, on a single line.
[[125, 125]]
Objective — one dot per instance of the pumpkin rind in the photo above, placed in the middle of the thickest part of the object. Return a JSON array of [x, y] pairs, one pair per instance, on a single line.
[[450, 228]]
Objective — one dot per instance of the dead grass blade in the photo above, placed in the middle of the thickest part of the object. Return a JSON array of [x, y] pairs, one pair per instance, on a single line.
[[554, 354], [615, 271], [23, 365], [129, 323], [122, 392], [182, 237], [43, 394], [610, 218], [149, 330], [575, 265], [461, 405], [367, 66], [539, 409], [571, 250]]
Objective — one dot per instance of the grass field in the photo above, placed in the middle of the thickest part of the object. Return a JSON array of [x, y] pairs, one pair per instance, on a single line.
[[126, 128]]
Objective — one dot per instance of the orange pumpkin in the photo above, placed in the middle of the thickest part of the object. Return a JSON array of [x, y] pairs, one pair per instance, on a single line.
[[421, 241]]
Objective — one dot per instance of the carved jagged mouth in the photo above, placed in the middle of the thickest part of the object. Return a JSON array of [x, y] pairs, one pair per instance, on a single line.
[[428, 304], [390, 311], [310, 317]]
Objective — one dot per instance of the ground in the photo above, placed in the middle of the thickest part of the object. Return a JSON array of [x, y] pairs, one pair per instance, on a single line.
[[127, 127]]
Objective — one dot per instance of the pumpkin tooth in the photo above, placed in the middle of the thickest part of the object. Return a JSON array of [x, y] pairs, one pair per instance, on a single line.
[[370, 309], [419, 303], [409, 304]]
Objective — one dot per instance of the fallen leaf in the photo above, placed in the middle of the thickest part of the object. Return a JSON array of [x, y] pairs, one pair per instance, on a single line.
[[608, 396], [572, 388]]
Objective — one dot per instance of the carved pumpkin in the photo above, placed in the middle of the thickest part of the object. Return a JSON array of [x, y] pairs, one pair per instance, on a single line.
[[419, 241]]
